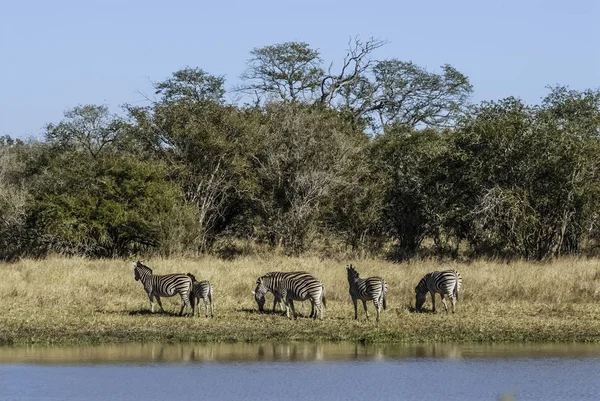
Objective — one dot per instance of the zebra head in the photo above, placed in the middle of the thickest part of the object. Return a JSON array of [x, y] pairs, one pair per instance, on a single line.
[[352, 273], [259, 294], [139, 268]]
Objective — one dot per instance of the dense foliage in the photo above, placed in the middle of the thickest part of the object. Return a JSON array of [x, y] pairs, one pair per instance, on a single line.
[[376, 157]]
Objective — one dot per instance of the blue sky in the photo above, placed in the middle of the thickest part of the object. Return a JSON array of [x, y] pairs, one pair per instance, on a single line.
[[55, 55]]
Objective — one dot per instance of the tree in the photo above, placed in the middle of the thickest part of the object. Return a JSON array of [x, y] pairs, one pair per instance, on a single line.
[[108, 207], [304, 155], [529, 176], [191, 84], [288, 71], [409, 162], [14, 200], [90, 128], [205, 144], [405, 93], [355, 67]]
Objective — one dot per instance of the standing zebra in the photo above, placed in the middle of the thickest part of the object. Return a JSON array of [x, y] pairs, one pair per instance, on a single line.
[[372, 288], [201, 290], [447, 282], [163, 286], [290, 287]]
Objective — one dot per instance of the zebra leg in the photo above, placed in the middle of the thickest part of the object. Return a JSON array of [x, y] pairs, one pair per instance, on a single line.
[[151, 297], [291, 302], [185, 303], [354, 301], [193, 302], [206, 307], [314, 308], [159, 304], [377, 308], [432, 300], [365, 306], [453, 304], [444, 302]]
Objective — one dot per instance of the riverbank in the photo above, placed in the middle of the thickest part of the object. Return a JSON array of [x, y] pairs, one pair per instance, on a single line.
[[78, 301]]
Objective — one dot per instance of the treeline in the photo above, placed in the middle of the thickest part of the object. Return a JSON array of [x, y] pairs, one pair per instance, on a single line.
[[374, 157]]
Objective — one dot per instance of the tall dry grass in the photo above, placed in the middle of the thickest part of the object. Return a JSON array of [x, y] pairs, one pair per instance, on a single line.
[[76, 300]]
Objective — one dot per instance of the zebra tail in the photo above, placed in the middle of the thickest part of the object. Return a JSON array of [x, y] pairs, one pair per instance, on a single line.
[[383, 291], [456, 285]]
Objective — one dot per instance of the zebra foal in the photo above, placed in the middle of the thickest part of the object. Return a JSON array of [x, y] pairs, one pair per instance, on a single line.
[[290, 287], [201, 290], [163, 285], [372, 288], [447, 282]]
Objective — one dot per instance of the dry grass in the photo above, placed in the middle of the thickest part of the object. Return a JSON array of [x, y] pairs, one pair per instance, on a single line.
[[74, 301]]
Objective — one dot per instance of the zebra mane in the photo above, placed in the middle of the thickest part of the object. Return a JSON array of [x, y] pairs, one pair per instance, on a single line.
[[140, 265], [190, 275]]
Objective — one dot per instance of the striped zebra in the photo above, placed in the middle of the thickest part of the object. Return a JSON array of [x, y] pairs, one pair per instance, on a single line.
[[163, 286], [290, 287], [447, 282], [278, 300], [201, 290], [372, 288]]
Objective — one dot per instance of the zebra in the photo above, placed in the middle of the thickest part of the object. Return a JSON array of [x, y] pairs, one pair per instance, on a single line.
[[372, 288], [163, 286], [277, 300], [201, 290], [290, 287], [447, 282]]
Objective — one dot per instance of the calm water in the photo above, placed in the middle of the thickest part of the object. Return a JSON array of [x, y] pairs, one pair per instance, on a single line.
[[301, 372]]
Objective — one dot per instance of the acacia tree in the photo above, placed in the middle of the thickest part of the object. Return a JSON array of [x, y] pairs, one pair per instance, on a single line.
[[191, 84], [288, 71], [397, 92]]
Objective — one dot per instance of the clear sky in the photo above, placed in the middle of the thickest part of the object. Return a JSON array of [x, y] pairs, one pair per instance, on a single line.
[[58, 54]]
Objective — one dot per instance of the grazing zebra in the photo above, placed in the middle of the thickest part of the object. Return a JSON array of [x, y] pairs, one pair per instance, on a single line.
[[277, 300], [447, 282], [372, 288], [290, 287], [201, 290], [163, 286]]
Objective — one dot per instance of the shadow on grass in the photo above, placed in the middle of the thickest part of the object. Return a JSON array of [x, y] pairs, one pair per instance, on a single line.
[[257, 312], [147, 312], [270, 312], [412, 309]]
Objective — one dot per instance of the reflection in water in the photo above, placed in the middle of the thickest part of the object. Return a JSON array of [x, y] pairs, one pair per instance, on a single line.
[[281, 352]]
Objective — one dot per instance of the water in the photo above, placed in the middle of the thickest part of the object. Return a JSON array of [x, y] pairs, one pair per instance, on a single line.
[[301, 372]]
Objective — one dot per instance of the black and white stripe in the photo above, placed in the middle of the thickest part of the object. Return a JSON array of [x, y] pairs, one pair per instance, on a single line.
[[201, 290], [289, 287], [372, 288], [166, 285], [447, 282]]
